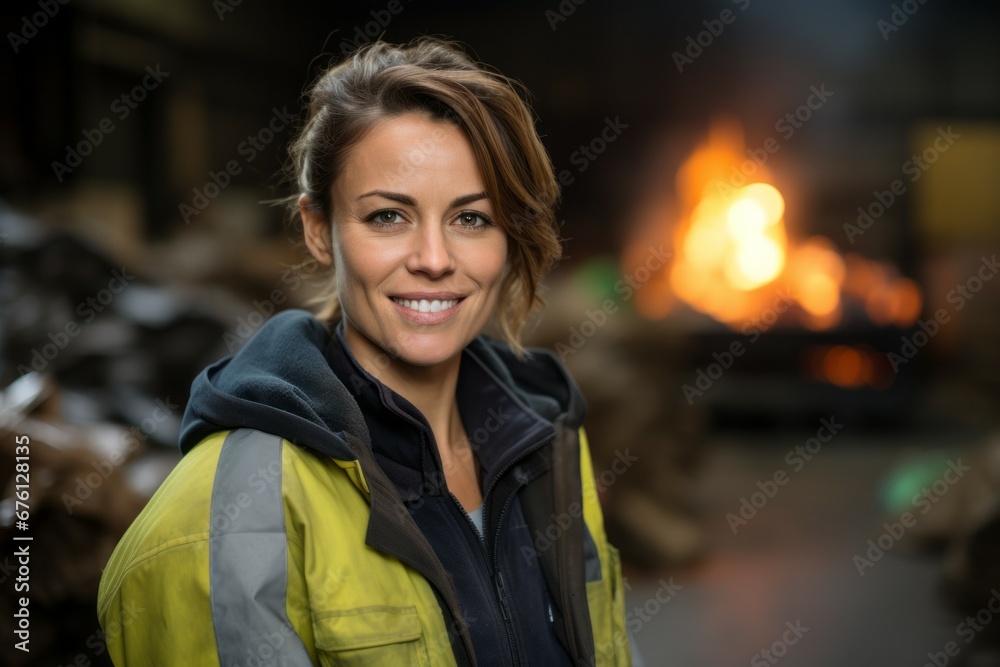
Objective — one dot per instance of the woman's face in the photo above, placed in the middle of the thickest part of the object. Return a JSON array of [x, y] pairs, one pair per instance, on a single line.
[[418, 257]]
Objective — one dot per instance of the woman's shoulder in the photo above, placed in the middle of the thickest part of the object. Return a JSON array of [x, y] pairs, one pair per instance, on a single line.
[[214, 485], [179, 509]]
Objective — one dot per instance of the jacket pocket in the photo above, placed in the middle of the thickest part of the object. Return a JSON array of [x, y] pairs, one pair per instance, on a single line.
[[370, 637]]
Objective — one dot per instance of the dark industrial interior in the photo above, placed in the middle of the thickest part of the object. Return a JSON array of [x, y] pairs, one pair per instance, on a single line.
[[781, 224]]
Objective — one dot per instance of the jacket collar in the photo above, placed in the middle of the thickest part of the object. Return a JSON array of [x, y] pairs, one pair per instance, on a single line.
[[499, 423], [282, 381]]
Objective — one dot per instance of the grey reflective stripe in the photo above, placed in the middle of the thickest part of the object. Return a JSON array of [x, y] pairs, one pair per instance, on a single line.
[[248, 564], [591, 559]]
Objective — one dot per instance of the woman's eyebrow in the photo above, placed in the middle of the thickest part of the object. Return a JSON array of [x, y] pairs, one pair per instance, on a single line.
[[410, 201]]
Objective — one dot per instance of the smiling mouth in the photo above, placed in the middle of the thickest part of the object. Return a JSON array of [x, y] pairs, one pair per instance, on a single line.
[[427, 306]]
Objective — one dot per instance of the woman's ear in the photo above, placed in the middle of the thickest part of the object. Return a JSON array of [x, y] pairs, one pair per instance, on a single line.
[[316, 231]]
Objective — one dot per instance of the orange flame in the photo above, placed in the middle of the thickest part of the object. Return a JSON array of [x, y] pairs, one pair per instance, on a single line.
[[732, 240], [732, 254]]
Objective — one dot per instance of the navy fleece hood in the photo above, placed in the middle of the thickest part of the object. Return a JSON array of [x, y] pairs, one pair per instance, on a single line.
[[280, 382]]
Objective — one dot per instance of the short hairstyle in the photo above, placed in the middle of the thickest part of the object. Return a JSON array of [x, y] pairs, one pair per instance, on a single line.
[[436, 77]]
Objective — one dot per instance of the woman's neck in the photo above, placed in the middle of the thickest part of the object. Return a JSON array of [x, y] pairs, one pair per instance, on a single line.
[[431, 389]]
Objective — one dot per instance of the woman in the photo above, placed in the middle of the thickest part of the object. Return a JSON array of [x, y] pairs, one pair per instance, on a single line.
[[385, 484]]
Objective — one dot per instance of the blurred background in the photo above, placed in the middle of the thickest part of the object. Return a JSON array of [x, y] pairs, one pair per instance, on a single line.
[[782, 222]]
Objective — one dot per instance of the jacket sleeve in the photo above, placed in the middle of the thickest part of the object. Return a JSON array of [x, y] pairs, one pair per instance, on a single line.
[[606, 596], [200, 576], [155, 610], [153, 602]]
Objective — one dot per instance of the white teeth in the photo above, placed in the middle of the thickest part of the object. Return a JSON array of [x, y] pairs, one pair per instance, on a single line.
[[425, 306]]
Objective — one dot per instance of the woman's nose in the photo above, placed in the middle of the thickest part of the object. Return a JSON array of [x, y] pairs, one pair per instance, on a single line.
[[432, 252]]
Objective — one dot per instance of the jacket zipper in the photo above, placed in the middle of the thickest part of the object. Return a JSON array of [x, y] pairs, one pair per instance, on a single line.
[[498, 582], [423, 444], [497, 575], [498, 587], [560, 553]]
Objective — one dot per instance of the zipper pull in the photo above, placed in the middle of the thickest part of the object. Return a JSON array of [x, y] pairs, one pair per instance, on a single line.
[[502, 593]]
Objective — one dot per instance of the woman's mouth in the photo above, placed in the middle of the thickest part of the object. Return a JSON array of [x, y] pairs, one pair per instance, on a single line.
[[427, 311], [425, 306]]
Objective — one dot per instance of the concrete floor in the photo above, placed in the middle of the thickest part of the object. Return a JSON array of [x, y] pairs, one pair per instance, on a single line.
[[793, 564]]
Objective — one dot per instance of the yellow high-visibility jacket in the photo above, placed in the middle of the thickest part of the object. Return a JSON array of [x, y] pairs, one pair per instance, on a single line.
[[258, 550]]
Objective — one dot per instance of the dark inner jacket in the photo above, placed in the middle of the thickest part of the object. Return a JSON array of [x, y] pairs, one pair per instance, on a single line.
[[520, 605]]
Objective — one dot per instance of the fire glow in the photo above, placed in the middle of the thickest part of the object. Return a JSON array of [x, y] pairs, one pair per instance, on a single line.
[[733, 252]]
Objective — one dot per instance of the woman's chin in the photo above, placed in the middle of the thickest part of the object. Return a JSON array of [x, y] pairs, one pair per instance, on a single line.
[[428, 350]]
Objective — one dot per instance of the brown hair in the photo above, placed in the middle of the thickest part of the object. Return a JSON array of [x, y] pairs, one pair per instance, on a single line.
[[436, 77]]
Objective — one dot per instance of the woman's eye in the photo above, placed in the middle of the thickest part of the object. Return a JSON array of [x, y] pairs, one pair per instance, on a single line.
[[384, 217], [470, 219]]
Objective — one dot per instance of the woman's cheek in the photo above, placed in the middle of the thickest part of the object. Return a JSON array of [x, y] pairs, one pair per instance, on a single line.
[[489, 258]]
